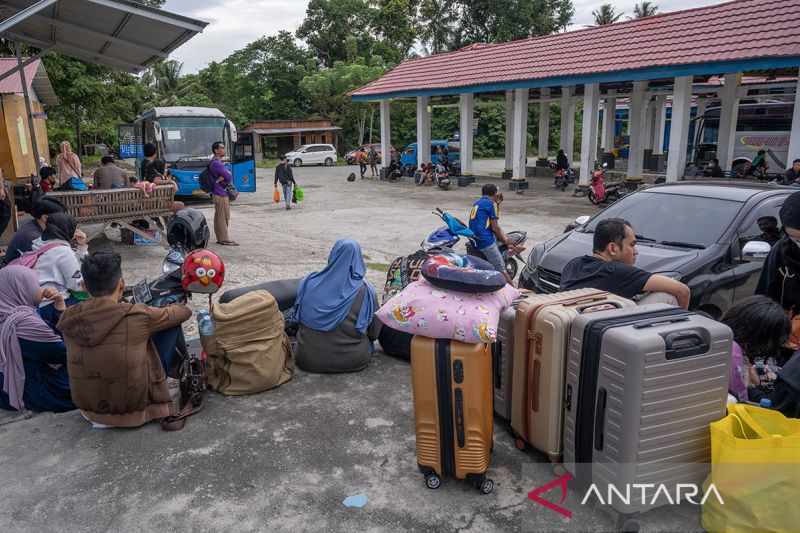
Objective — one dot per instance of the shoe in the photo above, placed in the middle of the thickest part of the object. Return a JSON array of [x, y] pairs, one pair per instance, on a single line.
[[288, 208]]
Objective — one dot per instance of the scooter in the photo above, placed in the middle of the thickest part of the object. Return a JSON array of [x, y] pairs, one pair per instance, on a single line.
[[600, 194], [443, 240], [563, 177], [441, 176]]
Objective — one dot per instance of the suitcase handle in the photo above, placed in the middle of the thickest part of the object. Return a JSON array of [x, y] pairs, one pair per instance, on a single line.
[[609, 303], [657, 321], [676, 345], [497, 351], [580, 299]]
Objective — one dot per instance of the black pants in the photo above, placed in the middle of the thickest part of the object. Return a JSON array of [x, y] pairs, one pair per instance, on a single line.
[[363, 168], [5, 213]]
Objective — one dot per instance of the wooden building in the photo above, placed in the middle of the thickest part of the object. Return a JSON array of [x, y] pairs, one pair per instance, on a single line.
[[276, 137], [16, 151]]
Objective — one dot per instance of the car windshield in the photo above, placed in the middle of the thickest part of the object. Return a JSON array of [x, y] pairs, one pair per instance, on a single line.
[[673, 219], [190, 137]]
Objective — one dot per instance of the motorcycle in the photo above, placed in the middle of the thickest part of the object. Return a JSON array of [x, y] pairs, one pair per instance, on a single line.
[[443, 240], [441, 176], [563, 177], [600, 194]]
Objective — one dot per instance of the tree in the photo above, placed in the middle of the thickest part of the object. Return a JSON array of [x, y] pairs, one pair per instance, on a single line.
[[496, 21], [150, 3], [645, 9], [164, 83], [394, 25], [442, 29], [606, 14], [329, 23]]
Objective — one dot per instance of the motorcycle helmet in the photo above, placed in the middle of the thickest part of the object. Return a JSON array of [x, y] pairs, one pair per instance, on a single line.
[[203, 271], [188, 229]]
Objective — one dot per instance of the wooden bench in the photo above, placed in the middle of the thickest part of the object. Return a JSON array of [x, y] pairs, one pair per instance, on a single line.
[[120, 206]]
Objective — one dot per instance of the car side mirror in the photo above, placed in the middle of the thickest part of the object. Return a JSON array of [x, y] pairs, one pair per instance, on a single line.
[[580, 221], [755, 251]]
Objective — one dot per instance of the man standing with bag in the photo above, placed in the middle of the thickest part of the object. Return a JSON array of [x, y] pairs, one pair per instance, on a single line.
[[283, 174], [222, 204]]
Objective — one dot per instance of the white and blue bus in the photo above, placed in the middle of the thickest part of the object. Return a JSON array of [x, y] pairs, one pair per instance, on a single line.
[[184, 136]]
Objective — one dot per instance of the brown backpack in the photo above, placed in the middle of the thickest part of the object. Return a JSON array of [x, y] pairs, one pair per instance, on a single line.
[[249, 351]]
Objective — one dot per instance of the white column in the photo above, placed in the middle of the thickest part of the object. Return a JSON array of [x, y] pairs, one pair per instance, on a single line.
[[729, 114], [509, 131], [567, 121], [423, 131], [679, 128], [467, 125], [609, 118], [794, 138], [636, 118], [544, 123], [386, 144], [659, 125], [702, 103], [520, 133], [591, 98], [648, 123]]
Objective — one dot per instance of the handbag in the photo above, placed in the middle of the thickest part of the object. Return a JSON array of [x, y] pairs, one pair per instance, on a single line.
[[755, 467], [193, 384], [233, 194], [299, 194], [276, 196]]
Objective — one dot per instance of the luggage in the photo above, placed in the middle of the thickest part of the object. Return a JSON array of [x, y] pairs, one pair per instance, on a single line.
[[643, 384], [452, 388], [503, 359], [541, 337], [249, 351], [396, 343], [283, 290]]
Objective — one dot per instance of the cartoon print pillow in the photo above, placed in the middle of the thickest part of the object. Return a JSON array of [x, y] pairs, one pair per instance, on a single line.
[[430, 311], [465, 273]]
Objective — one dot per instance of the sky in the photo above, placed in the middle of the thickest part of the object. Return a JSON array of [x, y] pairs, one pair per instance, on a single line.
[[235, 23]]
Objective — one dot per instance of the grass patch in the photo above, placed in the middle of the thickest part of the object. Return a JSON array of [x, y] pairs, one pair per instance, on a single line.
[[380, 267]]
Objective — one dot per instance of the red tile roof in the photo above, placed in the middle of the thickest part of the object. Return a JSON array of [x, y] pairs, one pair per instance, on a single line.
[[12, 84], [735, 31]]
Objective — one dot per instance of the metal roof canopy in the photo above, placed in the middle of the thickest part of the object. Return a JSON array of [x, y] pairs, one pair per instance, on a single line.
[[115, 33], [278, 131]]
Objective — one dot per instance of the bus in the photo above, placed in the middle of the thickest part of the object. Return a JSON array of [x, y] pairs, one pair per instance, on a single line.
[[184, 136], [760, 126]]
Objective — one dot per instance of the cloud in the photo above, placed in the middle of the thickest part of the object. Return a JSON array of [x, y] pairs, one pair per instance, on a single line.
[[232, 25]]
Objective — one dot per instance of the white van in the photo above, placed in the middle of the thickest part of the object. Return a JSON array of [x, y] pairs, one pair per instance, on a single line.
[[312, 154]]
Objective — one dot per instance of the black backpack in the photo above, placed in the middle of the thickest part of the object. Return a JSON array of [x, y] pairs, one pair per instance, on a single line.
[[206, 180]]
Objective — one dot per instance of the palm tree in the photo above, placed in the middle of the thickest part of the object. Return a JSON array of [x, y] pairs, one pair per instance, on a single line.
[[165, 84], [645, 9], [440, 29], [606, 14]]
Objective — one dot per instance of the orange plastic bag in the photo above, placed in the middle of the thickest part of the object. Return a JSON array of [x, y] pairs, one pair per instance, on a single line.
[[276, 195]]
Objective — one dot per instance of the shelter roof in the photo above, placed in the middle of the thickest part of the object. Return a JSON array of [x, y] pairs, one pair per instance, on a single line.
[[744, 35], [277, 131], [35, 76], [115, 33]]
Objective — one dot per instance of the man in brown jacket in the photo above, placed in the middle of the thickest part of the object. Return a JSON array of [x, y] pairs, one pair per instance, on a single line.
[[115, 373]]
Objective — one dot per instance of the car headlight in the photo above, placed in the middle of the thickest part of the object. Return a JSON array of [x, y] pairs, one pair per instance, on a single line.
[[674, 275], [534, 257]]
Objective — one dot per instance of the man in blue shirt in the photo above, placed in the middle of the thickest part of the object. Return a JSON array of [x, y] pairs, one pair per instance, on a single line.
[[483, 222]]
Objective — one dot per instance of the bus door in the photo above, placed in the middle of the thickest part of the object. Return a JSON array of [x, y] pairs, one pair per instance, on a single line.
[[243, 162]]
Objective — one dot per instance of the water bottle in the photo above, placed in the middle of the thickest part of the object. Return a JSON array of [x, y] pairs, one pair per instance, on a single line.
[[205, 323], [766, 403]]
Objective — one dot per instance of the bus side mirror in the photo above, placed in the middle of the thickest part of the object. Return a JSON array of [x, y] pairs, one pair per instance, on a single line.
[[232, 131], [157, 130]]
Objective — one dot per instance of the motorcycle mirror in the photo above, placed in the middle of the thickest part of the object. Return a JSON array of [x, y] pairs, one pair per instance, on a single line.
[[605, 165]]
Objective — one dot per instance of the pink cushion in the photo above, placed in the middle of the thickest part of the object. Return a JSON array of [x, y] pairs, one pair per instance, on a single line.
[[423, 309]]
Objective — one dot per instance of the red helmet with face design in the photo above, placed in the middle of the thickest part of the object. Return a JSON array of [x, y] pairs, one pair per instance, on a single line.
[[203, 271]]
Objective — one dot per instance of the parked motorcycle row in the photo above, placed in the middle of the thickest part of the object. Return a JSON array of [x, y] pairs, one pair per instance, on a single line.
[[600, 193]]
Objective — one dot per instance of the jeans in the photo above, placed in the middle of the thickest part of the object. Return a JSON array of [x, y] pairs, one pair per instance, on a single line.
[[493, 255], [165, 342], [287, 194], [363, 167]]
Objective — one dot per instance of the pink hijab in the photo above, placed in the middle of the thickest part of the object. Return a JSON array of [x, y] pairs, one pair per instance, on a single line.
[[18, 319]]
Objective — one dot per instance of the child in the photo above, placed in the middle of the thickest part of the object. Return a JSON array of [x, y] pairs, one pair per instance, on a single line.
[[760, 328]]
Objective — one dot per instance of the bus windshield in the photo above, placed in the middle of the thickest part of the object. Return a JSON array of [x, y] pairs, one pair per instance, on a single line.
[[186, 138]]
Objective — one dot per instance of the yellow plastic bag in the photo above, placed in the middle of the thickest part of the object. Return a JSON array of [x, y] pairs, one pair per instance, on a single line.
[[755, 467]]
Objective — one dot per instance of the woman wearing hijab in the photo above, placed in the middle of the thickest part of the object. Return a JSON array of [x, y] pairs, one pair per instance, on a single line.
[[68, 163], [58, 267], [335, 309], [158, 174], [32, 358]]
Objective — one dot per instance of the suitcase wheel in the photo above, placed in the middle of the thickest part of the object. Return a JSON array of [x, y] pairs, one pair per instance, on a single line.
[[433, 481], [626, 524], [486, 486], [559, 469], [520, 443]]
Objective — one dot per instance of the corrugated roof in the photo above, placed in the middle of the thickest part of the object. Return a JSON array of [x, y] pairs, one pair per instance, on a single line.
[[707, 37], [275, 131], [35, 76], [116, 33]]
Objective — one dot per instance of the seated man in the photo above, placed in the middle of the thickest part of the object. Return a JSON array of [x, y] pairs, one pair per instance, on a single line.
[[792, 176], [22, 241], [48, 181], [109, 175], [611, 269], [115, 373]]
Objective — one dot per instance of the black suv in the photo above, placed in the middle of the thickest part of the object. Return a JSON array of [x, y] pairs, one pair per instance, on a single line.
[[694, 232]]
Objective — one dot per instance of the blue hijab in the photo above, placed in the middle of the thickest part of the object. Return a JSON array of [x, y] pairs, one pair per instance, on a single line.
[[324, 298]]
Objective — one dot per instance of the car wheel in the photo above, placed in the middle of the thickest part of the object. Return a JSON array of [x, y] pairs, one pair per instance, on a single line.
[[297, 162], [328, 161]]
